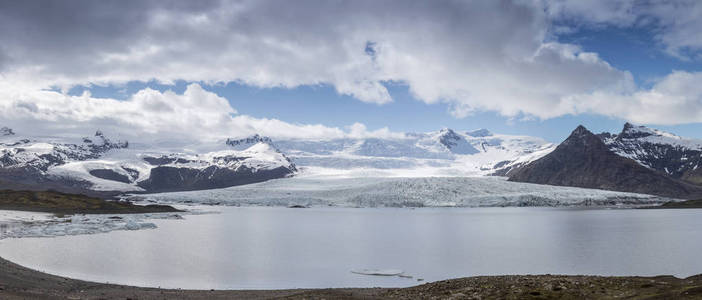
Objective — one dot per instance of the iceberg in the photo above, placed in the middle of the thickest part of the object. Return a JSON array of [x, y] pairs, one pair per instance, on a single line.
[[27, 224], [378, 272]]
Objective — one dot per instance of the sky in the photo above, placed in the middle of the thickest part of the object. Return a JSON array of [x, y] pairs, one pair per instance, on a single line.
[[333, 69]]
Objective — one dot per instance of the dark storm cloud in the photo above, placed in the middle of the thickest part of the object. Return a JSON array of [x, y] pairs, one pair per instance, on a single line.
[[62, 34]]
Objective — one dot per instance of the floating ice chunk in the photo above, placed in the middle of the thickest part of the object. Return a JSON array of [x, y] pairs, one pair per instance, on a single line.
[[378, 272], [48, 226], [132, 225]]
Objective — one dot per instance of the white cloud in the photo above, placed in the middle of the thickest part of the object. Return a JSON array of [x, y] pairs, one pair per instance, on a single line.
[[680, 24], [675, 99], [151, 114]]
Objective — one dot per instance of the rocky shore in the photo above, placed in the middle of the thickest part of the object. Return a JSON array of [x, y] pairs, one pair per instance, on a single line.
[[17, 282], [683, 204]]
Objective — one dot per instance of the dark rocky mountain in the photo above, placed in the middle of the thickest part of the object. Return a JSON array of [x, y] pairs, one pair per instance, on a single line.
[[584, 160], [658, 150], [173, 178]]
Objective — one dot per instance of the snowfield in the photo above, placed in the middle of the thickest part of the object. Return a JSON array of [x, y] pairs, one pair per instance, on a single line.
[[401, 192], [440, 153]]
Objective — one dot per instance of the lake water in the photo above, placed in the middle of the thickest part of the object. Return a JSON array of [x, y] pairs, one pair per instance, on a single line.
[[257, 247]]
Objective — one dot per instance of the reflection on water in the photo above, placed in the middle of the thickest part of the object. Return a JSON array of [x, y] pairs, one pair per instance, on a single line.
[[317, 247]]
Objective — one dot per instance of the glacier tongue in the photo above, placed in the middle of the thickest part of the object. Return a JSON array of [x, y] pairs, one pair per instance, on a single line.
[[403, 192]]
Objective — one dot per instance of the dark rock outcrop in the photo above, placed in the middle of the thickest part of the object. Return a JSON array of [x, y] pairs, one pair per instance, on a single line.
[[584, 160], [246, 142], [164, 160], [110, 175], [5, 131], [169, 178]]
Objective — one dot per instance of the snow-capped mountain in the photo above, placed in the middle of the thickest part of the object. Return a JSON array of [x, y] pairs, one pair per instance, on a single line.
[[98, 164], [584, 160], [441, 153], [42, 155], [455, 143], [658, 150]]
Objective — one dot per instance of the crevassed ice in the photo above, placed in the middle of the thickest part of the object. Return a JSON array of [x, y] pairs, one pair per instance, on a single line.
[[403, 192]]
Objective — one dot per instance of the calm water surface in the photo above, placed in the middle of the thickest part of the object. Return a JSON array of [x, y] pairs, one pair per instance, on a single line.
[[257, 247]]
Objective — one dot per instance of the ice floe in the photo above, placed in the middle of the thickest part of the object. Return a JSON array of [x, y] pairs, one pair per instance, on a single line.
[[15, 224]]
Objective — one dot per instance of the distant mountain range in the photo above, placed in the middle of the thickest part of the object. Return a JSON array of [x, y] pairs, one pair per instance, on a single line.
[[638, 159], [445, 152], [96, 164]]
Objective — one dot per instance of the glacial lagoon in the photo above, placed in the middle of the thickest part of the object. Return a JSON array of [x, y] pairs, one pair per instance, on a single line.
[[277, 247]]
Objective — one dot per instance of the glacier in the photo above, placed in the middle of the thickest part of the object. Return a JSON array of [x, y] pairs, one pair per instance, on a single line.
[[308, 191]]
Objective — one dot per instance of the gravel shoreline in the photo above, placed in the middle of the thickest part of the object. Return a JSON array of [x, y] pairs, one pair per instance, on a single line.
[[17, 282]]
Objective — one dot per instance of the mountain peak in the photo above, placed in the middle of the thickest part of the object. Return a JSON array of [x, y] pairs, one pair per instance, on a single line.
[[101, 143], [5, 131], [583, 138], [579, 132], [455, 143], [248, 141], [447, 130], [631, 131]]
